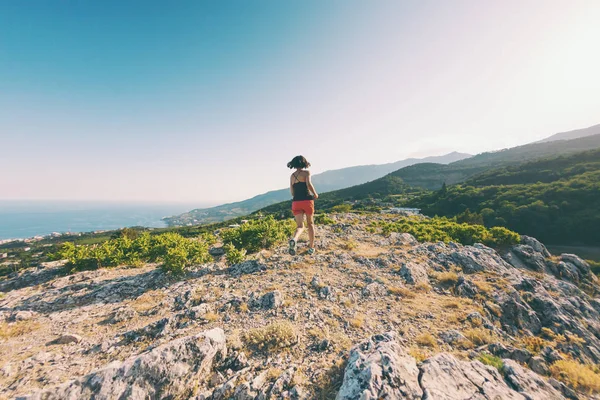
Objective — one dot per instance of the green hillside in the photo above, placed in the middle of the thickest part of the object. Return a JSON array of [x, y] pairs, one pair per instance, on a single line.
[[433, 176], [554, 199]]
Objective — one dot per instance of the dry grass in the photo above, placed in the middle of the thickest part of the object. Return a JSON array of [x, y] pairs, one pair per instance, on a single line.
[[402, 292], [423, 287], [453, 304], [16, 329], [349, 245], [578, 376], [277, 335], [243, 307], [534, 344], [479, 336], [426, 340], [447, 278], [273, 374], [328, 384], [147, 301], [358, 321], [418, 354], [211, 317], [484, 287]]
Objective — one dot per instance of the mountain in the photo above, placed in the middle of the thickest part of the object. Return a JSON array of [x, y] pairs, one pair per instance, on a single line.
[[324, 182], [555, 199], [409, 181], [592, 130]]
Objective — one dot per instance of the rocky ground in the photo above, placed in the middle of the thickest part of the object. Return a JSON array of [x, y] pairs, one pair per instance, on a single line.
[[366, 317]]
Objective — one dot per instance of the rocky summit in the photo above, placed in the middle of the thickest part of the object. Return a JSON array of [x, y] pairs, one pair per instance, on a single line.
[[367, 317]]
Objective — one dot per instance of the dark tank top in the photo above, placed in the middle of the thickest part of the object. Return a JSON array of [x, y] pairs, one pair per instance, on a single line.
[[301, 191]]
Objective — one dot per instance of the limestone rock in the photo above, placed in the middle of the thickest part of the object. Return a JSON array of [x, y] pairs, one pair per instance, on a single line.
[[443, 377], [68, 338], [414, 273], [380, 368], [166, 371], [374, 289], [247, 267], [528, 383]]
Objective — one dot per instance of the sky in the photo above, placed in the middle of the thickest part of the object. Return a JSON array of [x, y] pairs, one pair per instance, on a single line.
[[206, 101]]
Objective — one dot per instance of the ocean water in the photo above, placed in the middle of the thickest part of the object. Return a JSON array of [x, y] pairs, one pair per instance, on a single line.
[[23, 219]]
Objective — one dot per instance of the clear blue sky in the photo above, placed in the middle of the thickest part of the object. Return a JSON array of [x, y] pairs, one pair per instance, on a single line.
[[207, 101]]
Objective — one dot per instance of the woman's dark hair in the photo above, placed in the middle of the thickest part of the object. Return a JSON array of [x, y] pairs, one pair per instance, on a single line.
[[298, 162]]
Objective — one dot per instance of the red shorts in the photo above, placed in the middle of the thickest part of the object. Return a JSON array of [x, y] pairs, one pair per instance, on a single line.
[[303, 206]]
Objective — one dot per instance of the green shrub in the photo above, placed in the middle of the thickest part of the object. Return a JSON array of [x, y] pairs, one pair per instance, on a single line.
[[258, 234], [492, 361], [173, 250], [323, 219], [233, 255], [446, 230], [341, 208]]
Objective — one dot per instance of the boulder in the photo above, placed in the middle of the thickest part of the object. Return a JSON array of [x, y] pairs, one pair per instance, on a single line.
[[267, 301], [247, 267], [531, 385], [167, 371], [452, 336], [68, 338], [380, 368], [414, 273], [374, 289], [443, 377], [535, 245]]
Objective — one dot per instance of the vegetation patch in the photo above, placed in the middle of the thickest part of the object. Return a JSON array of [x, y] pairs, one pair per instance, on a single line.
[[576, 375], [259, 234], [479, 336], [171, 249], [234, 255], [447, 278], [16, 329], [447, 230], [275, 336], [426, 340], [402, 292], [492, 361]]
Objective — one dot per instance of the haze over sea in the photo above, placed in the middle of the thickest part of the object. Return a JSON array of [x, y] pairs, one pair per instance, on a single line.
[[24, 219]]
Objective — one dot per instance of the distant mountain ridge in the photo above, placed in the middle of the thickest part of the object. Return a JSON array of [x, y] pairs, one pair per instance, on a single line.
[[324, 182], [410, 180], [578, 133]]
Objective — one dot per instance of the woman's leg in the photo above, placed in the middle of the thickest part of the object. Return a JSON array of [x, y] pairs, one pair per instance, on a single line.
[[300, 226], [311, 230]]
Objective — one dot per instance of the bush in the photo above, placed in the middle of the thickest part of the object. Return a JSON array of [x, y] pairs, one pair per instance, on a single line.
[[173, 250], [446, 230], [479, 336], [578, 376], [426, 340], [492, 361], [274, 336], [323, 219], [233, 255], [259, 234], [341, 208]]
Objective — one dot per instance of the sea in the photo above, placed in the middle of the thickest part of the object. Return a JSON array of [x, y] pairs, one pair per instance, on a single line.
[[25, 219]]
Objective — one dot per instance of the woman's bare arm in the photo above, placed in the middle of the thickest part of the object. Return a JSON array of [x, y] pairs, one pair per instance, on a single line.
[[310, 186], [291, 187]]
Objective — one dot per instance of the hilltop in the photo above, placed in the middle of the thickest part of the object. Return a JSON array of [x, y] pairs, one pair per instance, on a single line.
[[375, 313]]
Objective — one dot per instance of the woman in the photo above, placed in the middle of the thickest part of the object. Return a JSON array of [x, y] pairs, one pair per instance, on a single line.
[[303, 194]]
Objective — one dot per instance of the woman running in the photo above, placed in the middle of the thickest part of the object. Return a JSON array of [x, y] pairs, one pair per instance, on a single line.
[[303, 194]]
